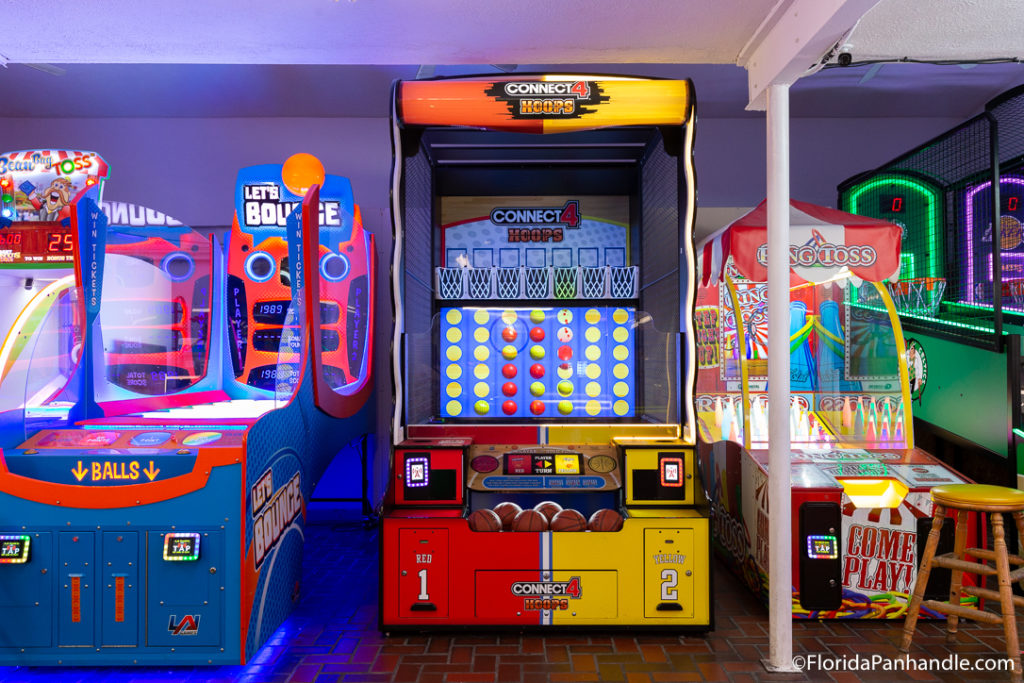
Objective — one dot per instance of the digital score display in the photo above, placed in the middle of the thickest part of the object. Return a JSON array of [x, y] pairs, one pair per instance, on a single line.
[[39, 243], [822, 547], [1009, 203], [181, 547], [14, 549], [542, 463], [891, 203]]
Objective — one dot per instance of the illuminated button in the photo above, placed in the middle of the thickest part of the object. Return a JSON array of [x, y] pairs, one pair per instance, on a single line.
[[453, 371], [454, 389], [453, 316], [481, 371], [593, 352], [602, 464], [454, 407], [592, 316], [620, 316], [480, 335], [620, 408], [593, 407], [481, 316], [564, 316], [620, 334], [620, 352], [454, 335], [481, 389], [593, 389], [453, 353], [620, 389], [593, 370], [481, 353], [621, 371], [592, 334], [509, 317]]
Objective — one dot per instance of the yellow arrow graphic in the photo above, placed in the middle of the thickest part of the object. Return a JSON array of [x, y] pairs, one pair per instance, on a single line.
[[79, 471], [151, 471]]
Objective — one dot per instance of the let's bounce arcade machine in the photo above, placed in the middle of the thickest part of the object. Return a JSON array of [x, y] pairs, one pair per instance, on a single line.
[[154, 476], [543, 471], [861, 503]]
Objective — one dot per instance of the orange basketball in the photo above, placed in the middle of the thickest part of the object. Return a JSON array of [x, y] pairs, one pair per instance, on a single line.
[[605, 519], [507, 511], [530, 520], [548, 508], [302, 171], [569, 520], [484, 520]]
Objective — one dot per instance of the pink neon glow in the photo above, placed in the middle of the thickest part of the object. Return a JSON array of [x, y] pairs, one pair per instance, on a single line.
[[970, 229]]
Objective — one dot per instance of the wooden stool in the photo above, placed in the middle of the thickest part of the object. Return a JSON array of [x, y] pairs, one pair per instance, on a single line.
[[963, 498]]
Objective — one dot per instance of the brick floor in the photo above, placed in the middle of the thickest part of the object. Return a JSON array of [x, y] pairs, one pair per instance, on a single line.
[[332, 637]]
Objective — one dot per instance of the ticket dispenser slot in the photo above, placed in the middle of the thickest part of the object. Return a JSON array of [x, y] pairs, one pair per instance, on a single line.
[[120, 588], [26, 591], [185, 595], [77, 590], [819, 550]]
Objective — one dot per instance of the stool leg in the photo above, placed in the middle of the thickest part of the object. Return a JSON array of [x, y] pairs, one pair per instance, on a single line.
[[1005, 593], [922, 578], [960, 542], [1018, 517]]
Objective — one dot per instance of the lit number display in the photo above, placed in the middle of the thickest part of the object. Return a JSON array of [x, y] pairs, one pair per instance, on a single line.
[[891, 203]]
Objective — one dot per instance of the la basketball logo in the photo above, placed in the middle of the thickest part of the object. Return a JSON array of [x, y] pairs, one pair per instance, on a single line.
[[188, 626]]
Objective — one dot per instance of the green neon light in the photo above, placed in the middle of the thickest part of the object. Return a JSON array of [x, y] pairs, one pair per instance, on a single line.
[[1018, 432], [947, 323], [933, 266]]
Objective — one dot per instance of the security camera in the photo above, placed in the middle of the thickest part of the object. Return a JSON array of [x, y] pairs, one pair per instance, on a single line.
[[845, 57]]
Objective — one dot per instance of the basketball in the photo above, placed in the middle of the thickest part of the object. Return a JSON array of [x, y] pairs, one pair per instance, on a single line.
[[529, 520], [506, 513], [548, 508], [605, 519], [484, 520], [568, 520]]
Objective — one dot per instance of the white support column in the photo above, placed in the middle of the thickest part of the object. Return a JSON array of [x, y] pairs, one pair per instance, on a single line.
[[780, 500]]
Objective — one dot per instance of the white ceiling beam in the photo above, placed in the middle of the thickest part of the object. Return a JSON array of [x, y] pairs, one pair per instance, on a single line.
[[792, 39]]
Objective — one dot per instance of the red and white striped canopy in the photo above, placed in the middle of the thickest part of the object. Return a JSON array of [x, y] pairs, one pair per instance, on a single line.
[[822, 242]]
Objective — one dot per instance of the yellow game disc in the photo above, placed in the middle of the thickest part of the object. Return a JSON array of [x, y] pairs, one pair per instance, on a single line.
[[453, 371], [620, 316], [593, 407], [454, 407], [454, 335], [593, 389], [509, 317], [620, 352], [620, 334], [453, 316], [620, 408], [481, 389], [565, 407], [481, 353], [592, 316], [593, 352], [593, 370], [536, 352], [564, 387], [454, 389], [481, 407], [620, 371], [620, 389], [453, 353], [592, 334], [480, 335], [480, 317], [481, 371], [537, 316], [508, 352]]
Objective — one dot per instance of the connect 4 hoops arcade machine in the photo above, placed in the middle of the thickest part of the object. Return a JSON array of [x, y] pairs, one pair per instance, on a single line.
[[543, 471], [157, 516]]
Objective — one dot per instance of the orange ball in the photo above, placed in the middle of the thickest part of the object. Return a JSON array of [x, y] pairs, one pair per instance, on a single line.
[[302, 171], [605, 519]]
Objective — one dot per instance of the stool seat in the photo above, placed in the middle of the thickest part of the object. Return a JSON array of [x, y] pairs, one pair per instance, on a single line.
[[978, 497]]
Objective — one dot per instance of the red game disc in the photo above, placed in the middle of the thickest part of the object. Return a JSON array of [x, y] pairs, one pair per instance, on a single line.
[[537, 407], [537, 370], [564, 352], [537, 334], [509, 370], [509, 334], [508, 388], [509, 407]]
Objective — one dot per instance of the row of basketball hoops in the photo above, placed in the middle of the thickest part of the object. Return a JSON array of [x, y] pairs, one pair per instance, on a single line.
[[574, 282]]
